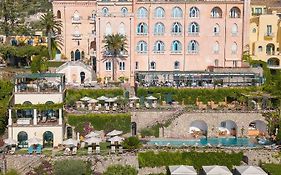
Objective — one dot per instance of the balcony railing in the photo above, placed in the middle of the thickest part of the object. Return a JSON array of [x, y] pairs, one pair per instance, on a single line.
[[76, 36], [121, 54], [268, 35]]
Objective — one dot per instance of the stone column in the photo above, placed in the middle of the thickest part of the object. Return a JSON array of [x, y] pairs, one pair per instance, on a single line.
[[10, 120], [60, 116], [34, 116]]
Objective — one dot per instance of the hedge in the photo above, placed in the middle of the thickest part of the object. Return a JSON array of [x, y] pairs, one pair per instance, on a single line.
[[189, 95], [196, 159], [272, 169], [105, 122], [73, 95]]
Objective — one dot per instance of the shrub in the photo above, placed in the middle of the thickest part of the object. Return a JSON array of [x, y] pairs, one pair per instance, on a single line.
[[12, 172], [45, 168], [71, 167], [272, 169], [132, 143], [150, 131], [120, 170], [105, 122]]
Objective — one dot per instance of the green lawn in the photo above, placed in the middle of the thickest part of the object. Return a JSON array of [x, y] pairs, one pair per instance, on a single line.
[[272, 169]]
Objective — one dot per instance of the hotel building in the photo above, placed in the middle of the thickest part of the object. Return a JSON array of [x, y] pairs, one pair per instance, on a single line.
[[161, 35]]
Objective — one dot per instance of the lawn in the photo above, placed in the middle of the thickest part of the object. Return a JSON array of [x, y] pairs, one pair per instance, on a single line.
[[272, 169]]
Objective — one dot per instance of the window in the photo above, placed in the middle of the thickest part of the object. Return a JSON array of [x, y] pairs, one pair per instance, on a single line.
[[177, 65], [258, 11], [177, 12], [121, 29], [234, 30], [235, 63], [76, 32], [193, 47], [159, 46], [121, 65], [194, 12], [58, 14], [159, 28], [216, 62], [82, 54], [216, 12], [260, 48], [254, 30], [142, 47], [159, 12], [152, 65], [216, 48], [124, 11], [142, 28], [234, 48], [76, 16], [176, 46], [177, 28], [193, 28], [137, 65], [72, 55], [142, 12], [269, 30], [108, 66], [216, 30], [105, 11], [108, 29], [235, 12]]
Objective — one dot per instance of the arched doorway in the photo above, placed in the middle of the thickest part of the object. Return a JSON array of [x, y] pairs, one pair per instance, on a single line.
[[69, 134], [227, 128], [77, 55], [134, 128], [273, 62], [22, 139], [48, 139], [270, 49], [82, 77], [257, 128], [198, 128]]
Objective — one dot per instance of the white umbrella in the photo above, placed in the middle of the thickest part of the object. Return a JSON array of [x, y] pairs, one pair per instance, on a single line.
[[10, 141], [86, 99], [134, 98], [92, 134], [151, 98], [116, 139], [114, 133], [93, 101], [110, 100], [102, 98], [34, 141], [92, 140], [70, 142]]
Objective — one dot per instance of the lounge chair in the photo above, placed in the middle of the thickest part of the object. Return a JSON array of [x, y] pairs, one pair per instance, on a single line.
[[74, 151], [97, 149], [13, 150], [39, 149], [90, 150], [30, 150], [66, 151], [120, 149], [147, 105], [112, 149], [44, 119]]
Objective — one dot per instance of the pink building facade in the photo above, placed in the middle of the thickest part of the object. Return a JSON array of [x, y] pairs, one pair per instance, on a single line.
[[161, 35]]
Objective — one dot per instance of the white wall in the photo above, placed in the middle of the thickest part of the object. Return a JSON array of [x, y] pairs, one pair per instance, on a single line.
[[38, 98]]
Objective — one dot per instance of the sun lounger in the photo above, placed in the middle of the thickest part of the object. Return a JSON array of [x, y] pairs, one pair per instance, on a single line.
[[120, 149], [112, 149], [30, 150], [39, 149], [13, 150]]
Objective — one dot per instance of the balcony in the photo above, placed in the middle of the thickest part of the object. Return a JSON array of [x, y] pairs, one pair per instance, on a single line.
[[76, 20], [268, 36], [121, 54], [92, 19], [77, 36]]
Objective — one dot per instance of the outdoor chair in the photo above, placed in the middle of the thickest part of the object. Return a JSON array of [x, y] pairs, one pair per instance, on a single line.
[[97, 149], [90, 150], [131, 105], [74, 151], [30, 150], [107, 108], [112, 149], [137, 105], [13, 150], [147, 105], [96, 108], [39, 149], [66, 151], [44, 119], [121, 149]]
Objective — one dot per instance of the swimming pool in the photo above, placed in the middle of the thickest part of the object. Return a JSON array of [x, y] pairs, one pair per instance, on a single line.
[[227, 142]]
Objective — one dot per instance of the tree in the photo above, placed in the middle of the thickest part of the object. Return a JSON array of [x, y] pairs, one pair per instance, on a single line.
[[132, 143], [39, 64], [114, 45], [120, 170], [52, 26], [71, 167]]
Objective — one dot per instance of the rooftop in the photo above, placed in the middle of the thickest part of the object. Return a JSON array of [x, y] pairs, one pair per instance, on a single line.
[[39, 75]]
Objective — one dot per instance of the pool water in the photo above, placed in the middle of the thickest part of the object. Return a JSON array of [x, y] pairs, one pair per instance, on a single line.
[[227, 142]]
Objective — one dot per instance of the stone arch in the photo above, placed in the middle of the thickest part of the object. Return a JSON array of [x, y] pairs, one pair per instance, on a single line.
[[48, 139], [22, 139], [228, 128], [199, 127], [257, 127]]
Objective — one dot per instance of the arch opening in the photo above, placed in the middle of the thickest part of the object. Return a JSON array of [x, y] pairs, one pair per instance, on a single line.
[[198, 128], [257, 128], [48, 139], [22, 139], [227, 128]]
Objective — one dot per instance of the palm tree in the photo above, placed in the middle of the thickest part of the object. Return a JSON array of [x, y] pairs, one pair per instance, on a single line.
[[114, 46], [52, 26]]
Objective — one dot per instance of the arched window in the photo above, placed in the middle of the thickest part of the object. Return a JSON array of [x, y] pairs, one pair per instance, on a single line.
[[159, 46], [176, 46], [193, 47], [216, 29], [152, 65], [159, 28], [76, 16], [58, 14], [235, 12], [234, 30], [142, 28], [77, 32], [124, 11], [159, 12], [216, 12], [177, 12], [121, 29], [260, 48], [142, 47], [216, 48], [108, 66], [122, 65], [194, 12], [108, 29], [270, 49], [193, 28], [234, 48], [142, 12], [77, 56], [22, 139], [105, 11], [177, 65], [72, 55], [177, 28], [216, 62]]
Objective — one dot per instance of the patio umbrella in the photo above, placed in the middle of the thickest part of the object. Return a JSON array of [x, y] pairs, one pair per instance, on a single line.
[[116, 139], [102, 98], [93, 140], [34, 141], [93, 101], [92, 134], [85, 99], [114, 133], [110, 100], [70, 142], [134, 98], [151, 98], [10, 141]]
